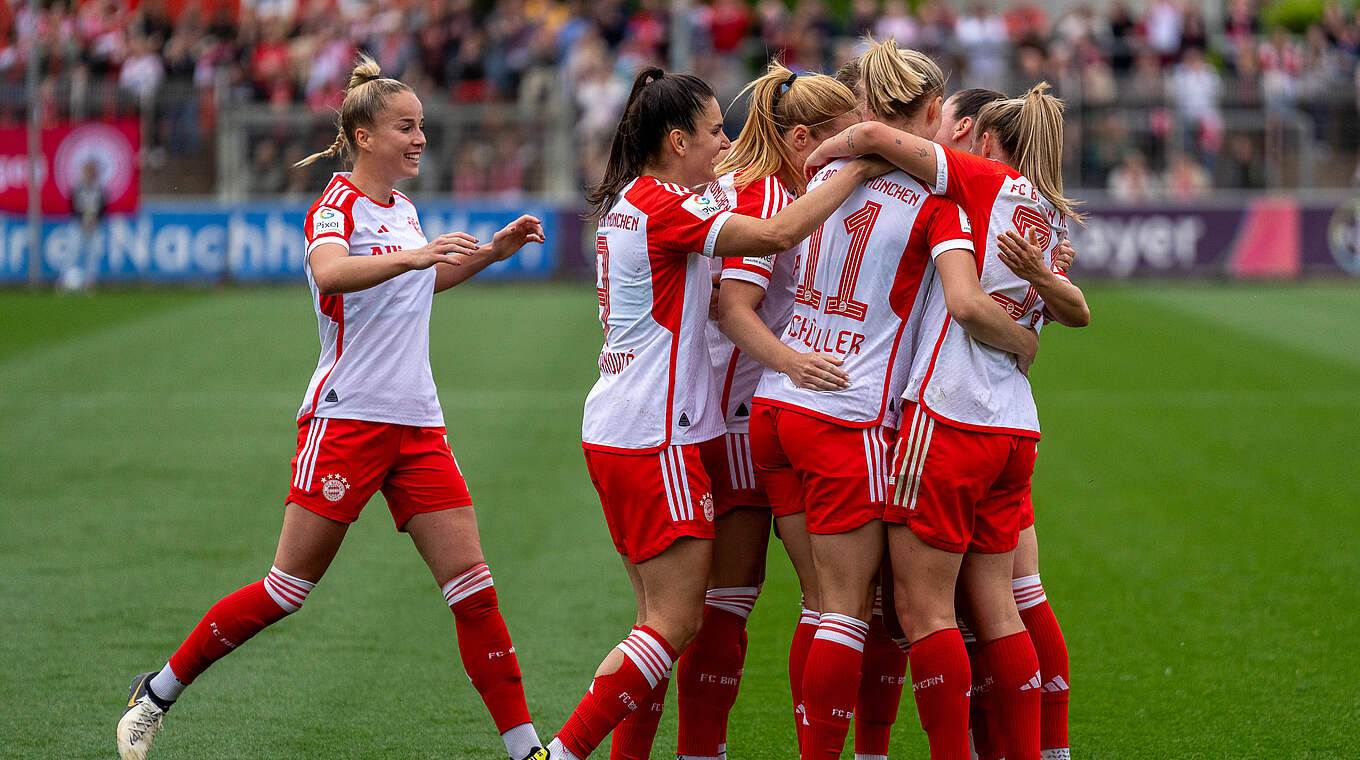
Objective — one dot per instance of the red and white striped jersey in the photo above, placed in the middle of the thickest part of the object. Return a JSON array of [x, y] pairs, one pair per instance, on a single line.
[[737, 373], [859, 295], [958, 380], [375, 343], [656, 386]]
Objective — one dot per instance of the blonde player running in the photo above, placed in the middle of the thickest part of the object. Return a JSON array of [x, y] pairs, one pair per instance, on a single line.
[[656, 399], [370, 419], [963, 467], [860, 294], [759, 176]]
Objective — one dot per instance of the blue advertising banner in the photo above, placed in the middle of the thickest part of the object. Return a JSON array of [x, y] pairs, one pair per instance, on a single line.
[[205, 242]]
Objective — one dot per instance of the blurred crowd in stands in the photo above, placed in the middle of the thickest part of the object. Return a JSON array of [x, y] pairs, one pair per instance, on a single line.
[[1161, 101]]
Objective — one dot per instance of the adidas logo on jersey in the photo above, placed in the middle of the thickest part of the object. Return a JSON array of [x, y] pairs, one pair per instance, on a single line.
[[1034, 683], [332, 397], [383, 228]]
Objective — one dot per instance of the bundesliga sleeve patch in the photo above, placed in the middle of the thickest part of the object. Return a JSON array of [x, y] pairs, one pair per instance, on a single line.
[[701, 206], [964, 223], [327, 221]]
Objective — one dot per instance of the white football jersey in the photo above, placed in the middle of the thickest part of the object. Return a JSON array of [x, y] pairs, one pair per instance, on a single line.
[[961, 381], [859, 295], [656, 386], [375, 343], [737, 373]]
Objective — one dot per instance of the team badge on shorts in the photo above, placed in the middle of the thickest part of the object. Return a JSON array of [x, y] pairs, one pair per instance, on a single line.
[[333, 487], [707, 501]]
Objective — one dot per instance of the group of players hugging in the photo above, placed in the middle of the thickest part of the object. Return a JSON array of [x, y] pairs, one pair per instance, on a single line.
[[825, 325]]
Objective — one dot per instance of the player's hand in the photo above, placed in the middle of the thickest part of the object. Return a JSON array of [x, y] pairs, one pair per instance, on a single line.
[[817, 372], [1064, 255], [1023, 257], [513, 236], [441, 249], [871, 166]]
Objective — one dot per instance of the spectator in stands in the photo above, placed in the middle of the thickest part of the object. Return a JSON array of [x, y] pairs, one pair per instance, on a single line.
[[1132, 181], [982, 40]]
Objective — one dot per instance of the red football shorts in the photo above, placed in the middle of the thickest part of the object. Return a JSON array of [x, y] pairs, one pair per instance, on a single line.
[[837, 475], [959, 490], [650, 500], [340, 464], [727, 460], [1027, 511]]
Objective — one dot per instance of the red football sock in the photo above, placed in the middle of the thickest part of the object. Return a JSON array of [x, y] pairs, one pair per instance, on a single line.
[[1052, 651], [633, 736], [940, 678], [798, 652], [709, 672], [484, 644], [830, 684], [235, 618], [880, 690], [646, 662], [1015, 693], [982, 725]]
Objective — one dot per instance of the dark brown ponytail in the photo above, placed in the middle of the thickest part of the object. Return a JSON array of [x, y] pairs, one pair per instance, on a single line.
[[658, 103]]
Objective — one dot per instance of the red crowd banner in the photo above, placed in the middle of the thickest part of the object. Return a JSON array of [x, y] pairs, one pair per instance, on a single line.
[[112, 146]]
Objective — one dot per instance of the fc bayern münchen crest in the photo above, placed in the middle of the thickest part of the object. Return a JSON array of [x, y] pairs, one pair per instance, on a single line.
[[333, 487], [707, 501]]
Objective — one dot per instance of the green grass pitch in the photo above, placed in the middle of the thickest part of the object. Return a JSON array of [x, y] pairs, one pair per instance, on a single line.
[[1197, 493]]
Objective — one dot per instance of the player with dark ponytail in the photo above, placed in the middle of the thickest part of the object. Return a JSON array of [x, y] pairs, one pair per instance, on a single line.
[[656, 399]]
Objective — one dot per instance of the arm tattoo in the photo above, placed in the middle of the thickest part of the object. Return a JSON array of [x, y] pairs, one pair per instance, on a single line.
[[850, 140], [922, 152]]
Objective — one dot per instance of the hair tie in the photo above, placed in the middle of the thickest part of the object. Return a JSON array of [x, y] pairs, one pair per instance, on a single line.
[[370, 78]]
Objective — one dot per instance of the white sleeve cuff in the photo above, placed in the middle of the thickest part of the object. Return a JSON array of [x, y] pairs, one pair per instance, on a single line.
[[333, 239], [951, 245], [941, 171], [711, 242], [746, 276]]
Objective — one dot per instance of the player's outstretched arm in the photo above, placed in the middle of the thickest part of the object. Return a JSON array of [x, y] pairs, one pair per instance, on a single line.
[[737, 318], [749, 236], [1063, 300], [913, 155], [504, 244], [975, 311], [335, 271]]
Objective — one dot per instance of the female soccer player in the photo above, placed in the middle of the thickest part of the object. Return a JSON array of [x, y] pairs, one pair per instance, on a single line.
[[656, 399], [760, 175], [860, 292], [960, 485], [1068, 308], [370, 419]]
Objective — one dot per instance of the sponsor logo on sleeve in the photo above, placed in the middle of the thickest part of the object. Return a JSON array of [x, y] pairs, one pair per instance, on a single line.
[[701, 206], [327, 221], [964, 223]]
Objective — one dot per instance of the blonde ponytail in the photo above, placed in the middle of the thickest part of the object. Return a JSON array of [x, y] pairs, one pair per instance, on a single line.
[[1030, 130], [898, 83], [780, 101], [366, 95]]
